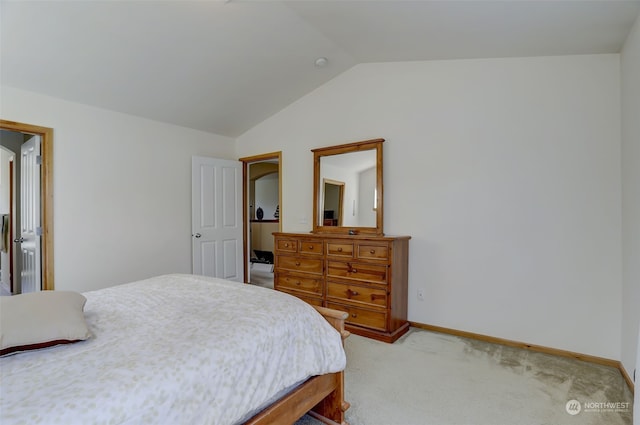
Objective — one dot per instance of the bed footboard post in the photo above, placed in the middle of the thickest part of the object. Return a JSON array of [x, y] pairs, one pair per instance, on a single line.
[[331, 410]]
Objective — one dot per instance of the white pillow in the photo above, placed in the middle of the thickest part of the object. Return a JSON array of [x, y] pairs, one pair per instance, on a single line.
[[41, 319]]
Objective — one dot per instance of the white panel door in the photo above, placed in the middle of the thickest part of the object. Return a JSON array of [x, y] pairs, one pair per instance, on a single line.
[[29, 238], [216, 222]]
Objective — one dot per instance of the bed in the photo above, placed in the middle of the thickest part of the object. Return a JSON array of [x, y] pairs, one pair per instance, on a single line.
[[184, 349]]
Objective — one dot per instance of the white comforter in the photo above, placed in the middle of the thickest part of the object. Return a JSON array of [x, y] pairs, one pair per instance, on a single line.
[[176, 349]]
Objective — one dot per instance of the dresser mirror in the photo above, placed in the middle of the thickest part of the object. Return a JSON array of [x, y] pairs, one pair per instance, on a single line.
[[347, 188]]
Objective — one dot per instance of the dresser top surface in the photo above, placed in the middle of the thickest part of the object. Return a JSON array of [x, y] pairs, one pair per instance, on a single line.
[[340, 236]]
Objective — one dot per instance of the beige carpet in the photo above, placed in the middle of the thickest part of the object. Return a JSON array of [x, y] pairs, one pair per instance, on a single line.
[[428, 378], [261, 275]]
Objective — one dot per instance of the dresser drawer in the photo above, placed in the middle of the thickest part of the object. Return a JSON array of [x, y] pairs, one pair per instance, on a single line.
[[287, 245], [361, 271], [342, 292], [362, 317], [305, 298], [340, 249], [373, 252], [298, 283], [308, 265], [311, 247]]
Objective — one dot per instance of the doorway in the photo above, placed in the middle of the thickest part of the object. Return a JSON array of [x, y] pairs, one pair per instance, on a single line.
[[333, 202], [262, 187], [45, 251]]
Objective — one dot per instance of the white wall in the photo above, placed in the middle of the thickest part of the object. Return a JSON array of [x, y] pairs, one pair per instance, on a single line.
[[122, 189], [505, 172], [366, 198], [630, 197]]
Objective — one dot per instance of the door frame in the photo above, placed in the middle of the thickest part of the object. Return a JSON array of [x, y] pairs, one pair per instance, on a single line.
[[246, 161], [46, 193]]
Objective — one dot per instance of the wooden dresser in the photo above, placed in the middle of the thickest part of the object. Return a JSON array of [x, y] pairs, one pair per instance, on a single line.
[[366, 276]]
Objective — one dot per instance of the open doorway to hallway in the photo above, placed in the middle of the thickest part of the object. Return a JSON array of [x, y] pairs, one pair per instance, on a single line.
[[20, 213], [262, 206], [26, 193]]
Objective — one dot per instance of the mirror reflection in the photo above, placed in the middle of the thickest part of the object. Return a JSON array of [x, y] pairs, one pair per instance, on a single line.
[[348, 190]]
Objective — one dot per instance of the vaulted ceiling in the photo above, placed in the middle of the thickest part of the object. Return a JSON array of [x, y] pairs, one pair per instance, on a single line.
[[224, 66]]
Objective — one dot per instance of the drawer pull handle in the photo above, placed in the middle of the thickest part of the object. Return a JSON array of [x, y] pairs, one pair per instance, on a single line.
[[298, 283], [286, 245], [351, 293], [373, 251], [339, 249], [310, 246], [354, 315], [354, 270], [298, 263]]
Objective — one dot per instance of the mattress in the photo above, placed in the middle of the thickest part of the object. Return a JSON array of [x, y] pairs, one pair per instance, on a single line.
[[174, 349]]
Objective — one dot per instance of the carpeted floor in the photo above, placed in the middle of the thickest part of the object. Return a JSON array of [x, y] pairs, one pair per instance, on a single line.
[[427, 378], [261, 275]]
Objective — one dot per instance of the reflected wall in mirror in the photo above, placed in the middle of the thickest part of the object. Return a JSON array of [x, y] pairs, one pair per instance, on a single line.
[[348, 188]]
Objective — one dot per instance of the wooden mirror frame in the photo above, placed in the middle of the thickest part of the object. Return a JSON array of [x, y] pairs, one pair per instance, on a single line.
[[317, 187]]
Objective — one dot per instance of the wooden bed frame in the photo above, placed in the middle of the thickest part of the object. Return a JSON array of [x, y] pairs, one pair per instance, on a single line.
[[321, 396]]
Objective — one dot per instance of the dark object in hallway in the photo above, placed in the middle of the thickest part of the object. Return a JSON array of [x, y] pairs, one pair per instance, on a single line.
[[264, 257]]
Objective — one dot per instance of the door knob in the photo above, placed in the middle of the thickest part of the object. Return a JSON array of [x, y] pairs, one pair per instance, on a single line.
[[197, 235], [20, 240]]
